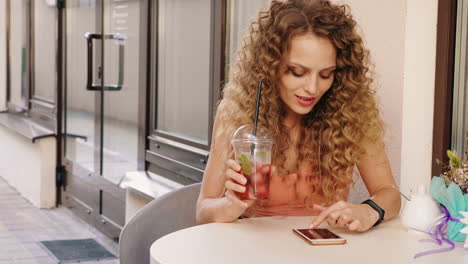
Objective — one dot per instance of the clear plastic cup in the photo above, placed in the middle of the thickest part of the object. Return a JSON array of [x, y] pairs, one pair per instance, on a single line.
[[254, 155]]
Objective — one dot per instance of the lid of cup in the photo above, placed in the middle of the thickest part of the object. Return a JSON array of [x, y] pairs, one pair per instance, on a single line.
[[245, 133]]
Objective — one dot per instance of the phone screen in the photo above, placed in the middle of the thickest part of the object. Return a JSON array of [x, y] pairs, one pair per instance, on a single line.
[[318, 233]]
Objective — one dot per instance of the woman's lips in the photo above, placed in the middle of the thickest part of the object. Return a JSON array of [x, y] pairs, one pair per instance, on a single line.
[[305, 101]]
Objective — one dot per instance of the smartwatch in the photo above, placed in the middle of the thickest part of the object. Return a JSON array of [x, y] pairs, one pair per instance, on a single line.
[[376, 208]]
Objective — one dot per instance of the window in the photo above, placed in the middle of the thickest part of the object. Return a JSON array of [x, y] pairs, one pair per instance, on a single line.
[[32, 63], [187, 61], [3, 55], [184, 69], [44, 46], [460, 94], [193, 43], [239, 16], [19, 55]]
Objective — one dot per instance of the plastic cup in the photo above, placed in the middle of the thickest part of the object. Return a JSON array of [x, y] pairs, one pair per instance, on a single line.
[[254, 155]]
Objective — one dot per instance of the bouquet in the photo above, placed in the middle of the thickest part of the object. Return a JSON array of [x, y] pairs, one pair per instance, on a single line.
[[450, 189]]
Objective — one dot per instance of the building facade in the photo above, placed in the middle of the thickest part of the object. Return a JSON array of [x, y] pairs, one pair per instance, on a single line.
[[94, 89]]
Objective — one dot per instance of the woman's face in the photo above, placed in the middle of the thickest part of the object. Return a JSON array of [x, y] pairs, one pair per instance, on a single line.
[[306, 73]]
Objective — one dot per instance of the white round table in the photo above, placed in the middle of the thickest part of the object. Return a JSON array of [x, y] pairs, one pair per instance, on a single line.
[[271, 240]]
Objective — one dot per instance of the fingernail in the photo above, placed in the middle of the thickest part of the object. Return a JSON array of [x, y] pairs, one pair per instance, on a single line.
[[312, 226]]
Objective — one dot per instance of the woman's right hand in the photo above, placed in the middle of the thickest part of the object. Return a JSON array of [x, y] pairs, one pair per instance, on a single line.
[[235, 183]]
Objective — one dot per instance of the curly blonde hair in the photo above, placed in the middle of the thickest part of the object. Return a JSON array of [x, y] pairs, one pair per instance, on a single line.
[[346, 118]]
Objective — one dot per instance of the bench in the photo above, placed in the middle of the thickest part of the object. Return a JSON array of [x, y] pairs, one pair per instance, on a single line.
[[141, 188]]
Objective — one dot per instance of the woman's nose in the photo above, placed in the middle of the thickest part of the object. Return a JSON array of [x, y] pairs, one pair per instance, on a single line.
[[311, 85]]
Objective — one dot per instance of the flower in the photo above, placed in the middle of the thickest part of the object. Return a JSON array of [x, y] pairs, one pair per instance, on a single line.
[[465, 229], [457, 171]]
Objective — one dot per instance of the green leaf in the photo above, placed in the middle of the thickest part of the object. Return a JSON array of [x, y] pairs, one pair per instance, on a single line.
[[245, 164], [454, 161], [261, 154]]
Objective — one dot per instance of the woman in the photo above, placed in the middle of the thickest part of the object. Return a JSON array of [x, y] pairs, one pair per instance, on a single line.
[[318, 104]]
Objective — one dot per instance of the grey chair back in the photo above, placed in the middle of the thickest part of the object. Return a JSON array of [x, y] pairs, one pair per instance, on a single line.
[[166, 214]]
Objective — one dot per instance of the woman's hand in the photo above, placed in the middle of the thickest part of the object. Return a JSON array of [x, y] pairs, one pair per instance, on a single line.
[[235, 183], [354, 217]]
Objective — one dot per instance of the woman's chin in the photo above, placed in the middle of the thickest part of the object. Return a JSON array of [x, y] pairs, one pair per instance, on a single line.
[[300, 110]]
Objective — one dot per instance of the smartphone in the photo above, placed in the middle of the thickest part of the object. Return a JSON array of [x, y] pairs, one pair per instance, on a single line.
[[319, 236]]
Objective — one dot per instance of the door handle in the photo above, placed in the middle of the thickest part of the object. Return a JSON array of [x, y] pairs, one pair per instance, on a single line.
[[89, 79]]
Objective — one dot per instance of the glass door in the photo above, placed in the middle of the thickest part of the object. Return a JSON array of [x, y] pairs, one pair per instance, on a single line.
[[105, 103], [122, 73], [83, 75], [104, 81]]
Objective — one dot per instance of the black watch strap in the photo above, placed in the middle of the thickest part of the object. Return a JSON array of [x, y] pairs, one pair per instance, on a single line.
[[378, 209]]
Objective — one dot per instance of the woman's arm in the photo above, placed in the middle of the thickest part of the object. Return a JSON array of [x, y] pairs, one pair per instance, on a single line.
[[217, 201], [377, 176], [376, 173]]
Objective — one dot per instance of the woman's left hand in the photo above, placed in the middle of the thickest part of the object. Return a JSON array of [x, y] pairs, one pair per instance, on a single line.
[[354, 217]]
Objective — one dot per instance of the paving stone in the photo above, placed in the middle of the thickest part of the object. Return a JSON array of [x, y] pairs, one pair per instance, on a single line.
[[25, 261], [18, 253], [46, 260], [23, 226]]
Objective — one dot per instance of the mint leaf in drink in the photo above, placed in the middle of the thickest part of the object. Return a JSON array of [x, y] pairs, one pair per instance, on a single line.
[[261, 154], [245, 164]]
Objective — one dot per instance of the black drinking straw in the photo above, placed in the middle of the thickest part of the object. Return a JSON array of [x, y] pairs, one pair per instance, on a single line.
[[257, 107]]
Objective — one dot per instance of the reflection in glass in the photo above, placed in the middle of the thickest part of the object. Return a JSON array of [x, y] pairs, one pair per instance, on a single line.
[[239, 16], [45, 47], [120, 138], [19, 52], [80, 127], [460, 89], [184, 68], [102, 123]]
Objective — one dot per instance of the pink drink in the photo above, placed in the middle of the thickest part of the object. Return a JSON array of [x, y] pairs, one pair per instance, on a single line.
[[254, 155], [258, 183]]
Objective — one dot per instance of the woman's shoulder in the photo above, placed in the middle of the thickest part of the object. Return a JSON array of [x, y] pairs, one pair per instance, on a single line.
[[224, 119], [222, 111]]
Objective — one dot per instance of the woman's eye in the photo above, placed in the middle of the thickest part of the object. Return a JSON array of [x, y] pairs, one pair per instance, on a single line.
[[327, 76], [293, 72], [297, 74]]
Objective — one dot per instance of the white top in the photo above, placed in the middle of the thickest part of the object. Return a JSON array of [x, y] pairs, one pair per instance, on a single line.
[[271, 240]]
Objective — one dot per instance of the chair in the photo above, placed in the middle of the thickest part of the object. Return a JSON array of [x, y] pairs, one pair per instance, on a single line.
[[166, 214]]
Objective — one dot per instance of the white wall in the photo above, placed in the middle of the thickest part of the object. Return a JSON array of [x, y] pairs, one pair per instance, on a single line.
[[30, 168], [401, 36], [382, 26], [418, 93]]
